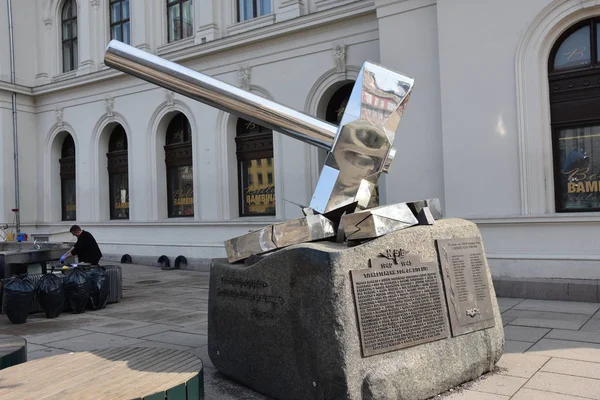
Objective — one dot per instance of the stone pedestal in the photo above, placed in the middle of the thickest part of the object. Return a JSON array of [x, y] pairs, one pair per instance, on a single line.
[[288, 326]]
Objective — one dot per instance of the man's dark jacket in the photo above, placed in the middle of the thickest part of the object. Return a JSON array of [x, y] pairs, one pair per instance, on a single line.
[[87, 249]]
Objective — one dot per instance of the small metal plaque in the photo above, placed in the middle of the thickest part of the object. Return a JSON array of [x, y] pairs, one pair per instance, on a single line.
[[399, 303], [466, 284]]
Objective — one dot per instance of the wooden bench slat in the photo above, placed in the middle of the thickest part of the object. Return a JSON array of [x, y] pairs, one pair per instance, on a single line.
[[116, 373]]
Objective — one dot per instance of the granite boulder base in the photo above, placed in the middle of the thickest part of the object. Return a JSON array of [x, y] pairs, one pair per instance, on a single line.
[[288, 327]]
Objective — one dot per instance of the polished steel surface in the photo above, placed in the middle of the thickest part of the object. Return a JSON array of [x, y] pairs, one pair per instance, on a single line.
[[363, 147], [272, 237], [378, 221], [221, 95]]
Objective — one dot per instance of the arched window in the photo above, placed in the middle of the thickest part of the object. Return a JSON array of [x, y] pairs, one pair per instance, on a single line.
[[256, 169], [67, 180], [119, 20], [118, 174], [179, 19], [574, 82], [180, 176], [69, 35], [334, 113]]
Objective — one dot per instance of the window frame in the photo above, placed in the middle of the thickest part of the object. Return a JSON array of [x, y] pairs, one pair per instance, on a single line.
[[118, 164], [247, 141], [71, 41], [67, 174], [178, 153], [121, 21], [179, 3], [573, 95], [255, 10]]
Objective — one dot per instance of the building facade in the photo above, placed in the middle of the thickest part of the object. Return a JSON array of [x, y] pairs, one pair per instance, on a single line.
[[502, 124]]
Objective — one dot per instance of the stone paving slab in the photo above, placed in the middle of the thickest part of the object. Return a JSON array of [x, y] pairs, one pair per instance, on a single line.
[[545, 319], [531, 394], [521, 365], [147, 330], [55, 336], [558, 306], [593, 325], [565, 384], [472, 395], [46, 352], [188, 318], [578, 336], [94, 341], [515, 346], [578, 368], [180, 338], [524, 333], [567, 349], [498, 384]]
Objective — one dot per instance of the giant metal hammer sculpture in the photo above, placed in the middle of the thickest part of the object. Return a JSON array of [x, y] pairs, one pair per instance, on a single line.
[[360, 149]]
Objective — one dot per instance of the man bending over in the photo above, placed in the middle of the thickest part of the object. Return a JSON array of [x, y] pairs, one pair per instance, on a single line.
[[86, 248]]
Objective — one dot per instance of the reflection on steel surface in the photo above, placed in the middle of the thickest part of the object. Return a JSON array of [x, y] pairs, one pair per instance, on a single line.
[[363, 146], [219, 94], [360, 149], [301, 230], [379, 221]]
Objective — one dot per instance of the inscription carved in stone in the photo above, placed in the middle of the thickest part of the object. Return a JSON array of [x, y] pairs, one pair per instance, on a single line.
[[400, 303], [261, 305], [466, 283]]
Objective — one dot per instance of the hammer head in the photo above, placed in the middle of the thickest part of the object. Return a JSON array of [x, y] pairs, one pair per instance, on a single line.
[[362, 148]]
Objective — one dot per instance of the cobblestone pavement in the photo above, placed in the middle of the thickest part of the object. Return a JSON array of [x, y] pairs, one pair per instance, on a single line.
[[552, 347]]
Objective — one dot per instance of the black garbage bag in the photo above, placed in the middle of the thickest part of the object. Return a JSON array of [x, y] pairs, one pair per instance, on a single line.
[[77, 290], [99, 288], [51, 295], [20, 291]]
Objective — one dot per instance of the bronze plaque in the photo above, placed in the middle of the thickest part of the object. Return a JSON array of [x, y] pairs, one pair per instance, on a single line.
[[399, 303], [466, 284]]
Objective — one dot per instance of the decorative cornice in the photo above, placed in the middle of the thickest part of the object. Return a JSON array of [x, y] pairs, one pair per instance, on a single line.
[[95, 4]]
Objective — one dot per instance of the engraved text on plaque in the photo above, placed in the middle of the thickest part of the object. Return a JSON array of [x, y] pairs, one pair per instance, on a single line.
[[467, 286], [400, 303]]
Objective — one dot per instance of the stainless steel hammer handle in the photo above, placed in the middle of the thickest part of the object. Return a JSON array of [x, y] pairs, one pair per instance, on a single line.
[[221, 95]]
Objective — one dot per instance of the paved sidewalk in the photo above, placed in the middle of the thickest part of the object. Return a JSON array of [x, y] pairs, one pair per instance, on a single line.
[[552, 347]]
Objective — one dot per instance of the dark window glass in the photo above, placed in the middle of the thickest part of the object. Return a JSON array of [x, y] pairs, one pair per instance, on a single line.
[[69, 35], [575, 116], [579, 176], [574, 51], [254, 145], [249, 9], [118, 177], [119, 20], [67, 180], [179, 19], [180, 176]]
